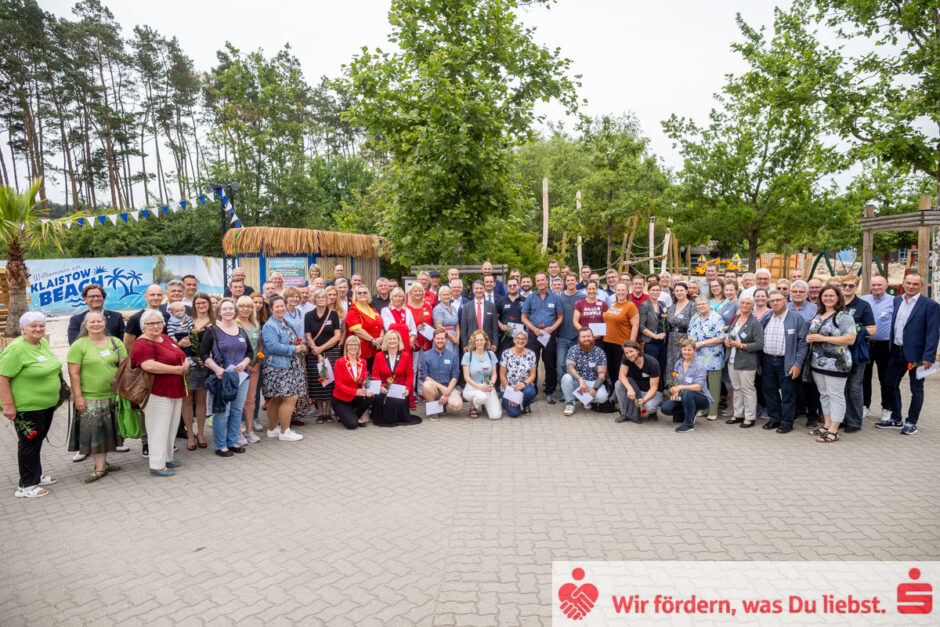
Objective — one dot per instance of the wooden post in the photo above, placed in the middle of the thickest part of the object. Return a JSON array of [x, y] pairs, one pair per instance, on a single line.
[[923, 256], [577, 204], [628, 245], [867, 246], [688, 261], [925, 202], [652, 242], [666, 250], [544, 214], [564, 247]]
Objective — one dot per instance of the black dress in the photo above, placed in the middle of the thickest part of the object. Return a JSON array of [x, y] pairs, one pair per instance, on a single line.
[[321, 328], [393, 412]]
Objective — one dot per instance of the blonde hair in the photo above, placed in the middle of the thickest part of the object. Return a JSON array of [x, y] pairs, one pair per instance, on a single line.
[[252, 319], [411, 292], [401, 345], [471, 343], [349, 341], [337, 302], [291, 291]]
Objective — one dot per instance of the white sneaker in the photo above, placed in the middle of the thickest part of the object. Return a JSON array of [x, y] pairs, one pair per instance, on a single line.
[[122, 449], [258, 427], [252, 437], [79, 457], [290, 436], [275, 432], [885, 414], [241, 441], [866, 412], [569, 409]]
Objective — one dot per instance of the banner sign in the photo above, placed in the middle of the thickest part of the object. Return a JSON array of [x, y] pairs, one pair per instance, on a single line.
[[293, 269], [207, 270], [55, 285]]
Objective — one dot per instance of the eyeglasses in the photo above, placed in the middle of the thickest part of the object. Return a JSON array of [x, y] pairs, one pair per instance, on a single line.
[[156, 323], [848, 285], [95, 296]]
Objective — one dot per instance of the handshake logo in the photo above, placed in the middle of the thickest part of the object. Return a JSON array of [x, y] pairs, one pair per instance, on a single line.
[[577, 600]]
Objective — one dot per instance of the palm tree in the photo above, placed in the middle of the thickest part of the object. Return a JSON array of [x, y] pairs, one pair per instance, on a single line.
[[23, 230]]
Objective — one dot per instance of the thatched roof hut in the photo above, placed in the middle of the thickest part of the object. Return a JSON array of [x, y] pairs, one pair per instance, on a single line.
[[271, 241], [262, 250]]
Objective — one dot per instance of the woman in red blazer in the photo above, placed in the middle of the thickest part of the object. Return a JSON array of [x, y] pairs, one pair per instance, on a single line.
[[365, 323], [350, 398], [393, 367]]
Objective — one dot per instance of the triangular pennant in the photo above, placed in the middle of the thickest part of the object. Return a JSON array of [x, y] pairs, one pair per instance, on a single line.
[[81, 221], [103, 220], [165, 209], [124, 217], [43, 219], [153, 213], [135, 215], [113, 217], [238, 224], [144, 213], [202, 200], [183, 204], [222, 193], [91, 222], [68, 225], [234, 218]]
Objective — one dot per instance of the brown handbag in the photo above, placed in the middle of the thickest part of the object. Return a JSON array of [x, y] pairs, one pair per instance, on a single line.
[[132, 383]]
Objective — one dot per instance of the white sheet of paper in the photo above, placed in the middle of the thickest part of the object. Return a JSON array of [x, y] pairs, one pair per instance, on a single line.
[[374, 387], [397, 391], [544, 338], [598, 328], [427, 332], [515, 327], [241, 375], [513, 396], [922, 373], [585, 398], [433, 407], [329, 373]]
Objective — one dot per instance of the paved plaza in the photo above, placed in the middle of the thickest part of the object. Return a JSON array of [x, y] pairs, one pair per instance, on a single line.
[[447, 523]]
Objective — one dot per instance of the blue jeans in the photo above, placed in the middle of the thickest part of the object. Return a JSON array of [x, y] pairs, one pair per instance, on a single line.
[[657, 351], [225, 424], [777, 382], [563, 346], [528, 395], [897, 368], [689, 404], [570, 385]]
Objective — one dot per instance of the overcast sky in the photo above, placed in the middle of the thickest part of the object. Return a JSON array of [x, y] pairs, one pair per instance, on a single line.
[[650, 57]]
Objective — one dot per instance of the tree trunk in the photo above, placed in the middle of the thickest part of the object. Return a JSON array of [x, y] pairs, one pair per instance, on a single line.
[[610, 244], [16, 284], [108, 144], [143, 164], [752, 252]]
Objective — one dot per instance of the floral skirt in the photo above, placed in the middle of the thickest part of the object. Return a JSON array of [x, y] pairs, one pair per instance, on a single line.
[[279, 382], [95, 430]]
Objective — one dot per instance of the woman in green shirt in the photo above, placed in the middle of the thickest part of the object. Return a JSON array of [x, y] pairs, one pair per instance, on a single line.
[[29, 393], [93, 360]]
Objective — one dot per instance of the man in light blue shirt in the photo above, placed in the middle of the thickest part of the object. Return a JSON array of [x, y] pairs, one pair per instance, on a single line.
[[438, 374], [542, 315], [879, 344], [799, 290]]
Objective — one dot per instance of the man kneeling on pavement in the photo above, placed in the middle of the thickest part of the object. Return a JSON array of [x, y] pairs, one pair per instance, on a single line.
[[438, 374], [637, 387], [586, 371]]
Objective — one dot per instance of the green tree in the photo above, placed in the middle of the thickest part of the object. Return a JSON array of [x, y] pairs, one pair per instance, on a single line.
[[447, 110], [880, 91], [24, 230], [757, 172]]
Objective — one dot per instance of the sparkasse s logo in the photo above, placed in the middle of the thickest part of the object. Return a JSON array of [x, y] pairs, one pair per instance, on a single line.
[[577, 601], [915, 598]]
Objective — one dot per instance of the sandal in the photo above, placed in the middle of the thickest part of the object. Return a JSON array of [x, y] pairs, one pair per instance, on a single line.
[[47, 480], [818, 431], [473, 412], [828, 437], [320, 421], [328, 420], [108, 467], [95, 475], [191, 445], [32, 492]]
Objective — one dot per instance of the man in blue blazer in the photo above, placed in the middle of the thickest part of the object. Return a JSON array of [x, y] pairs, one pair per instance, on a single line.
[[784, 353], [94, 296], [915, 333]]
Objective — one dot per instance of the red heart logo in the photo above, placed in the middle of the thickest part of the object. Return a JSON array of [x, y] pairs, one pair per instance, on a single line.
[[577, 601]]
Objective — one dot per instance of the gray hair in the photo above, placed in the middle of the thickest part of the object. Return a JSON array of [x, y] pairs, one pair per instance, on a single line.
[[762, 271], [772, 293], [30, 317], [174, 283], [84, 331], [746, 297], [703, 299], [150, 313], [799, 283]]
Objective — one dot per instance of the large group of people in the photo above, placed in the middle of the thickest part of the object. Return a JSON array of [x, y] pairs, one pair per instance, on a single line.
[[638, 346]]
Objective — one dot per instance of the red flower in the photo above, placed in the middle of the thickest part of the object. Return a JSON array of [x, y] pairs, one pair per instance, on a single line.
[[32, 434]]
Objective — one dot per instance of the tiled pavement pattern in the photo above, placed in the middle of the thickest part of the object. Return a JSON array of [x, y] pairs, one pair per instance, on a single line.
[[446, 523]]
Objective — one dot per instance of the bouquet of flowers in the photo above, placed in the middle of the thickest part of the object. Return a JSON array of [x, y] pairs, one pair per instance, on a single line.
[[25, 427], [194, 341]]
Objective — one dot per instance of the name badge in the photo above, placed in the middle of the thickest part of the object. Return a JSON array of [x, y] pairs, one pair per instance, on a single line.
[[241, 339], [104, 353], [791, 331], [551, 305], [688, 379], [328, 323], [446, 362], [646, 375], [885, 314], [41, 358]]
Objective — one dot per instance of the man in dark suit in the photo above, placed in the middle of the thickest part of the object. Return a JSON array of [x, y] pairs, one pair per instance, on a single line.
[[94, 296], [915, 332], [486, 269], [479, 313], [784, 353]]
